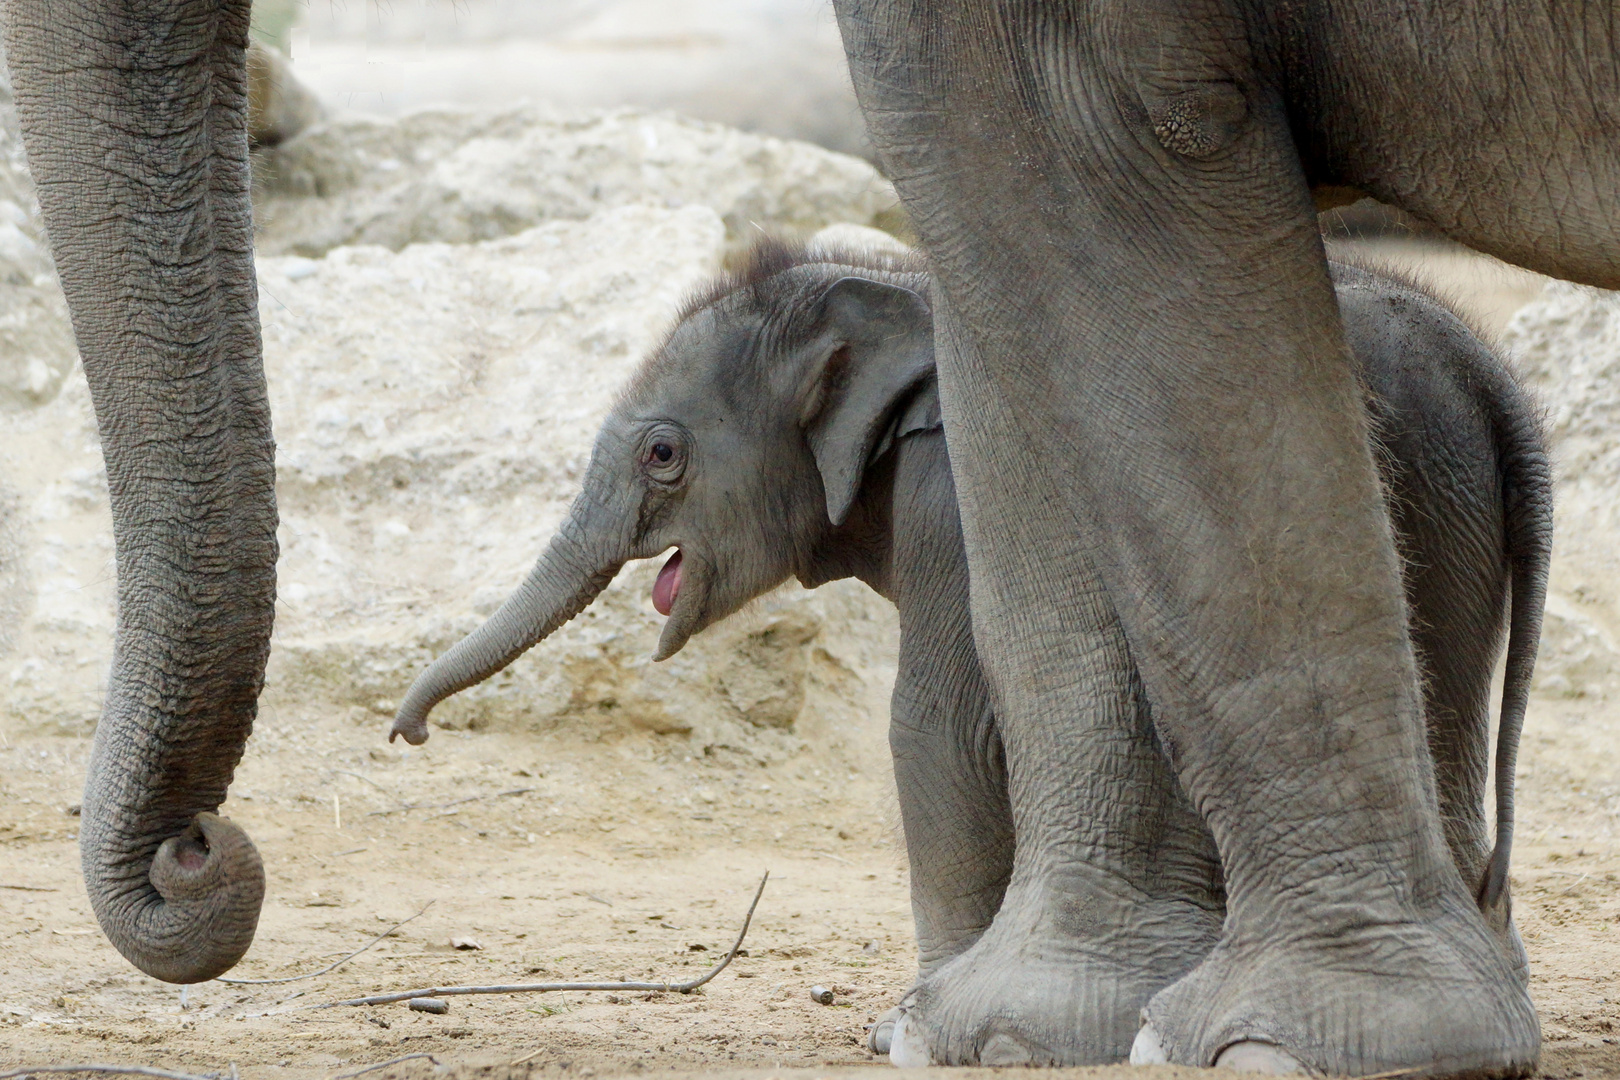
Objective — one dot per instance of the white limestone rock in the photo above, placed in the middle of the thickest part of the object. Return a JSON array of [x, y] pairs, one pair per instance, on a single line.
[[434, 410], [461, 176]]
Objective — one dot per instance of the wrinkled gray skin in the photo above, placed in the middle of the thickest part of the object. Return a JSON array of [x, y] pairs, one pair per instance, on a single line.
[[800, 405], [136, 125], [134, 119], [1145, 383]]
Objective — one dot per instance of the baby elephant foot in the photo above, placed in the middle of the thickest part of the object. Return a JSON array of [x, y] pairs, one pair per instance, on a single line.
[[881, 1034], [1422, 999], [902, 1042]]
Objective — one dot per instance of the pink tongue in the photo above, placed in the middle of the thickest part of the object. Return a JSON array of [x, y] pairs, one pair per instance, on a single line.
[[668, 585]]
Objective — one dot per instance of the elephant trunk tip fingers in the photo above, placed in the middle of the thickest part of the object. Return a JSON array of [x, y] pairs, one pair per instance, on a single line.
[[209, 885], [411, 724]]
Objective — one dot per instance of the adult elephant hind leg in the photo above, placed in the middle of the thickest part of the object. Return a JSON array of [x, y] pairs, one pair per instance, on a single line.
[[1464, 465], [1117, 216]]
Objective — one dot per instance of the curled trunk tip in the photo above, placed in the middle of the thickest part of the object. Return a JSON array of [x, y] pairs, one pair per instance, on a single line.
[[194, 916]]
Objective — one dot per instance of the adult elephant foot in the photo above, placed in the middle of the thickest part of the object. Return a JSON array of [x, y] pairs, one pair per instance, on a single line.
[[1060, 978], [1420, 999]]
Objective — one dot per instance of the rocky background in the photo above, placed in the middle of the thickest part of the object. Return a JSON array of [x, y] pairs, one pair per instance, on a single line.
[[450, 298], [449, 301]]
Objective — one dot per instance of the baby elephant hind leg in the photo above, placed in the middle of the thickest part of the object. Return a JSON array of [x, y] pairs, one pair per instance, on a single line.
[[1465, 469], [949, 767]]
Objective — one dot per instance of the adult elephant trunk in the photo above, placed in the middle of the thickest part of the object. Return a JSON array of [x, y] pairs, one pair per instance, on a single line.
[[134, 117], [569, 575]]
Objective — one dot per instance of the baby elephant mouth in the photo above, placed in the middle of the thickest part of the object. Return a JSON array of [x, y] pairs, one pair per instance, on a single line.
[[668, 585]]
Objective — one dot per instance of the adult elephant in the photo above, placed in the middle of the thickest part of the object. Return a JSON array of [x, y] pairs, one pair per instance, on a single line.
[[1144, 383]]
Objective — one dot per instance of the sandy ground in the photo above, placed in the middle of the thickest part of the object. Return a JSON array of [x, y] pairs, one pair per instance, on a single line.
[[585, 853]]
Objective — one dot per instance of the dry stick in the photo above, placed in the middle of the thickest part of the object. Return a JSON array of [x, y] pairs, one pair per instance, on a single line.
[[547, 988], [27, 888], [452, 802], [124, 1070], [383, 1065], [329, 967]]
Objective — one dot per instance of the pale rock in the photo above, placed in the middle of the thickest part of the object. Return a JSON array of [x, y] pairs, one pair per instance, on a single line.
[[435, 408], [461, 176]]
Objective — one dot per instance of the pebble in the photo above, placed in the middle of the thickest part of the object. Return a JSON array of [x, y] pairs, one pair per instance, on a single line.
[[436, 1006], [821, 995]]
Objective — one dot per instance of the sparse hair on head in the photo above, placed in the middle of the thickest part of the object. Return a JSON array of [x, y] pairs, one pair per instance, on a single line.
[[772, 255]]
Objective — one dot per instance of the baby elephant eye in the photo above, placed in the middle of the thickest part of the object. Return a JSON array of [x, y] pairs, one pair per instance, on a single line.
[[663, 455]]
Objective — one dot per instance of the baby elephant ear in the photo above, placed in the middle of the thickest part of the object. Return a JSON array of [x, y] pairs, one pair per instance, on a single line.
[[881, 346]]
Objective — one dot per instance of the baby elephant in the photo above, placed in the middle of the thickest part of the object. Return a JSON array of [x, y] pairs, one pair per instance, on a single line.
[[790, 426]]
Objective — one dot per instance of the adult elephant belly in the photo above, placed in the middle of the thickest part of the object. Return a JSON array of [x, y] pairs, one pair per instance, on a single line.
[[1145, 383]]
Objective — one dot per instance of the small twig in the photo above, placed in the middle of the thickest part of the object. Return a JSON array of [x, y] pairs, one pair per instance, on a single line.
[[383, 1065], [593, 896], [123, 1070], [548, 988], [526, 1058], [351, 851], [452, 802], [329, 967], [27, 888]]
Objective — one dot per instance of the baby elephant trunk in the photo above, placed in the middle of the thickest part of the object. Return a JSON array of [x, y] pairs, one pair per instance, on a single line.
[[560, 586]]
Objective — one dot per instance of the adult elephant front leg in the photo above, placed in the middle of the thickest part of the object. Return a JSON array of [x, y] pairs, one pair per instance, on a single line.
[[135, 121], [1115, 887], [1125, 240]]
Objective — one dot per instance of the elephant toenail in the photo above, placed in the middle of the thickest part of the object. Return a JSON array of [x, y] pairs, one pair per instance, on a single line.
[[907, 1048], [881, 1037], [1255, 1056], [1146, 1049], [1004, 1049]]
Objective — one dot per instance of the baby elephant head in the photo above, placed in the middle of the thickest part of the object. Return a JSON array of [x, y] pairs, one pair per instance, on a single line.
[[740, 442]]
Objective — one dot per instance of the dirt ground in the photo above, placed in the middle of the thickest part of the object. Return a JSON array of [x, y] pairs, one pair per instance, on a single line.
[[590, 854]]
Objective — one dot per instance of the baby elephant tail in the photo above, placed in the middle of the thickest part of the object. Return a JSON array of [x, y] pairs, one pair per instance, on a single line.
[[1528, 516]]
